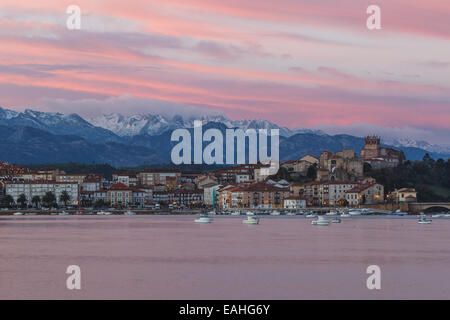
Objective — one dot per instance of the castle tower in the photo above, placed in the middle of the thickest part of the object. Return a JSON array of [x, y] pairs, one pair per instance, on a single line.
[[371, 147]]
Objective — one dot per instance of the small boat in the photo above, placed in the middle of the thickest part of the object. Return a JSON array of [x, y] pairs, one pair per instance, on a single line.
[[336, 220], [311, 215], [400, 213], [345, 215], [129, 213], [290, 213], [354, 212], [447, 215], [18, 213], [275, 213], [203, 219], [63, 213], [331, 213], [437, 215], [321, 221], [251, 220], [235, 213], [212, 213], [250, 213], [424, 220], [103, 213]]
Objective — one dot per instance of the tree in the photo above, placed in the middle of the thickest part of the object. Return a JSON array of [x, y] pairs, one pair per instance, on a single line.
[[100, 203], [22, 200], [7, 201], [49, 199], [64, 197], [36, 201]]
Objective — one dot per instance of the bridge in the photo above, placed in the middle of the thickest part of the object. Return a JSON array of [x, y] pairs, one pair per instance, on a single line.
[[419, 207]]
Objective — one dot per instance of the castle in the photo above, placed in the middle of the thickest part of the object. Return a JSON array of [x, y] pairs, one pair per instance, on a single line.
[[380, 157]]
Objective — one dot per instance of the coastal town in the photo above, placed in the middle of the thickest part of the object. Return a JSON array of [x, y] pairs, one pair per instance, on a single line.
[[334, 179]]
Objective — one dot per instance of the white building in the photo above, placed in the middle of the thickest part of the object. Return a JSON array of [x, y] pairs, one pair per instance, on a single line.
[[39, 188], [209, 194], [294, 203]]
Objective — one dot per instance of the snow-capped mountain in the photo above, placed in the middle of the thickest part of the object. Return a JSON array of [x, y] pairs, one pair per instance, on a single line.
[[56, 123], [118, 128], [128, 126], [407, 142]]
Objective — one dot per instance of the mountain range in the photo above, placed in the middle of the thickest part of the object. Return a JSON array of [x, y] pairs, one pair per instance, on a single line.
[[41, 137]]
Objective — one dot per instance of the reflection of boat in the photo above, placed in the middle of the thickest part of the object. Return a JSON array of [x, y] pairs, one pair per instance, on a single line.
[[203, 219], [251, 220], [321, 221], [129, 213], [336, 220], [275, 213]]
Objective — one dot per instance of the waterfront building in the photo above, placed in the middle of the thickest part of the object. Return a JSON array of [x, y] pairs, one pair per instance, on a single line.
[[368, 193], [294, 203], [39, 188], [404, 195]]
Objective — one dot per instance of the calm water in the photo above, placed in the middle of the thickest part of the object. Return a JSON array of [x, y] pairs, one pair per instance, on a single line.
[[151, 257]]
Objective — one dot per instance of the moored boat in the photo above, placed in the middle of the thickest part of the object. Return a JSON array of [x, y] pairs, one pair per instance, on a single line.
[[321, 221], [204, 218], [251, 220]]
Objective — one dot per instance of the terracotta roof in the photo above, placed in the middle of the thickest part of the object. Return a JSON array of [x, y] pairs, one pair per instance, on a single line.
[[119, 186]]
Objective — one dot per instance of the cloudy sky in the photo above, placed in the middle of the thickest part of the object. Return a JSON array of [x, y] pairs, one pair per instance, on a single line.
[[294, 62]]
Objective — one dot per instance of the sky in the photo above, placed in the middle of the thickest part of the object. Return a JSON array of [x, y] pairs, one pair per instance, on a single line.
[[297, 63]]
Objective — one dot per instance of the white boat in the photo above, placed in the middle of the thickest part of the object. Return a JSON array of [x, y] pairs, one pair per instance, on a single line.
[[251, 220], [275, 213], [336, 220], [129, 213], [447, 215], [203, 219], [345, 215], [18, 213], [250, 213], [290, 213], [103, 213], [63, 213], [355, 212], [311, 215], [235, 213], [321, 221], [424, 220], [437, 215], [212, 213], [331, 213]]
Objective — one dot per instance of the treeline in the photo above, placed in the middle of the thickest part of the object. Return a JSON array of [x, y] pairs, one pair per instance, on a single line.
[[430, 178]]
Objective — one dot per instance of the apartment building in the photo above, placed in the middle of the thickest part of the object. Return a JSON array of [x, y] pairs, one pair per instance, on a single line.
[[169, 177], [39, 188]]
